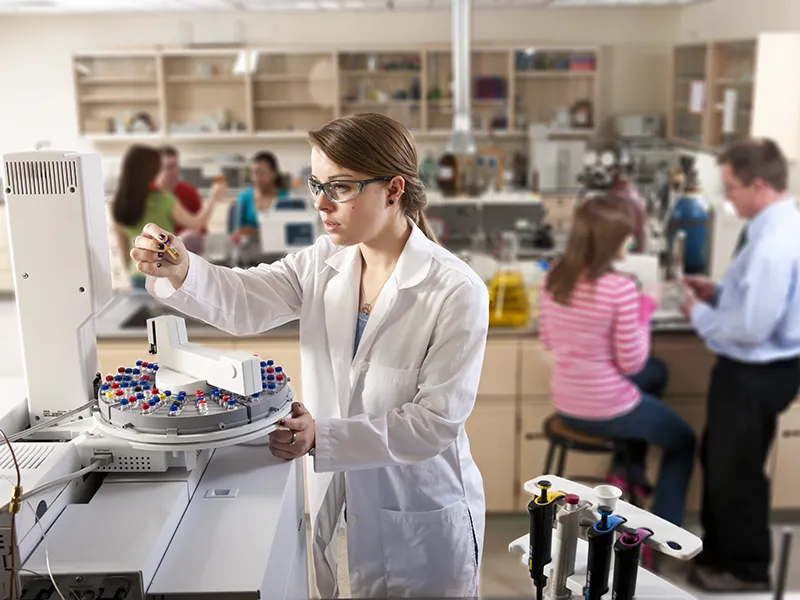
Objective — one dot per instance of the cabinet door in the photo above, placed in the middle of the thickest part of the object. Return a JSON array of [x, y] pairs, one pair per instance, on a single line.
[[688, 362], [491, 429], [786, 475], [499, 372], [535, 366]]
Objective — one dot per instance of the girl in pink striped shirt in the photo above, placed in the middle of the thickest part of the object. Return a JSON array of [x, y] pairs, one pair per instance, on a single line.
[[595, 322]]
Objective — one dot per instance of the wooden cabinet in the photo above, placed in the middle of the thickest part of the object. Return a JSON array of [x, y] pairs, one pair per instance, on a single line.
[[727, 91], [492, 438], [786, 472]]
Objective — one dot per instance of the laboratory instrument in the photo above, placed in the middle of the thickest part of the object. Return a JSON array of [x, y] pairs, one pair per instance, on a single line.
[[131, 482], [509, 303], [291, 226], [690, 215], [594, 563], [542, 510]]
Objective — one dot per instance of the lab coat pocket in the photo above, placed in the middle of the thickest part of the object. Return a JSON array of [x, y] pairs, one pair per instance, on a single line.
[[387, 388], [430, 554]]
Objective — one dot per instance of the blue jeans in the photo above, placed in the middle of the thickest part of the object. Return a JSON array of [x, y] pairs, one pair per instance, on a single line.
[[653, 422]]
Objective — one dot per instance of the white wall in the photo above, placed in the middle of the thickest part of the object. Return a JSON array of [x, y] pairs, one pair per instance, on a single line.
[[37, 99], [732, 19]]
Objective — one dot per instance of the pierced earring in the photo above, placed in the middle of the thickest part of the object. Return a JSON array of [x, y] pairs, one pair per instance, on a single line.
[[391, 201]]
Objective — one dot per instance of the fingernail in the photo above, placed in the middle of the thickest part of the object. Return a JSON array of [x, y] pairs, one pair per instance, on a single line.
[[160, 255], [158, 265], [162, 236], [282, 422], [161, 246]]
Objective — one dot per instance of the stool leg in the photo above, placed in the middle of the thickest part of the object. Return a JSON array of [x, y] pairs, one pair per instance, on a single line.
[[562, 461], [551, 455]]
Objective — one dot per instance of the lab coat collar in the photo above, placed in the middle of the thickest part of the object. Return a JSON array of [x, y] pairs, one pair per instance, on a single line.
[[412, 266]]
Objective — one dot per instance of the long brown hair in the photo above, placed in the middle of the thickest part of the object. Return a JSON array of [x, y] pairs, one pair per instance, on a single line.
[[377, 146], [139, 169], [600, 227]]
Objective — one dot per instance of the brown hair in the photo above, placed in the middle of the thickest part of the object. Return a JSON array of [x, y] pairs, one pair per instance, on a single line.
[[601, 225], [140, 167], [168, 150], [377, 146], [759, 158]]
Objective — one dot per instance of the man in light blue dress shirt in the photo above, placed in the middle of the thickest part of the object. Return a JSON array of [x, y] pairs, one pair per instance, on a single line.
[[751, 321]]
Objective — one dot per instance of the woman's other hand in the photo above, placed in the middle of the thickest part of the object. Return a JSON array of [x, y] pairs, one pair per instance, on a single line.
[[152, 256], [299, 438]]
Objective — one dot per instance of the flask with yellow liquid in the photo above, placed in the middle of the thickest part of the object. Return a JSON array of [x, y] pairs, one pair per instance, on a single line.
[[509, 304]]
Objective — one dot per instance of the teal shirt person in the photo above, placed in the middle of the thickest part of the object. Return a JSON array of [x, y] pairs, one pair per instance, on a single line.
[[245, 212]]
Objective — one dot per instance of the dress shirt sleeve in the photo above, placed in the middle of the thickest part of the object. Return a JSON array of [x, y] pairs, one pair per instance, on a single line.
[[747, 313]]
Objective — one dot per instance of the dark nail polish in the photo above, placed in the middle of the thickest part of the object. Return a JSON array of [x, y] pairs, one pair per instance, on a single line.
[[160, 255], [158, 265], [282, 422], [162, 236], [161, 246]]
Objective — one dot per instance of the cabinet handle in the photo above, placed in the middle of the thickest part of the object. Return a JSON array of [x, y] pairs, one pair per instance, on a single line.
[[790, 433], [533, 436]]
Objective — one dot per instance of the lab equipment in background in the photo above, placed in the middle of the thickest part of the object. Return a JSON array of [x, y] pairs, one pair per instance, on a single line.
[[292, 226], [541, 512], [158, 448], [604, 164], [429, 170], [666, 538], [690, 215], [638, 126], [554, 161], [725, 228], [509, 304], [448, 175]]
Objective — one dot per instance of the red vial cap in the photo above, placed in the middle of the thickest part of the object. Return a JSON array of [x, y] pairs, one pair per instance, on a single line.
[[279, 377], [145, 377], [145, 363], [114, 386], [145, 405], [155, 390], [270, 370], [109, 378], [198, 393], [132, 399], [120, 392], [121, 370], [571, 499]]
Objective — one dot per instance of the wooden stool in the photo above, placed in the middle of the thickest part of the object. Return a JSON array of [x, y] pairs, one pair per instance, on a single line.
[[564, 438]]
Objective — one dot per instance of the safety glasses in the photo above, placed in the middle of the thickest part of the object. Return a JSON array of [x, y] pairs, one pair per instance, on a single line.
[[341, 191]]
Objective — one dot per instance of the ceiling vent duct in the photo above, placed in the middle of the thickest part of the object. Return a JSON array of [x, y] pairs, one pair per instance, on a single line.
[[462, 141]]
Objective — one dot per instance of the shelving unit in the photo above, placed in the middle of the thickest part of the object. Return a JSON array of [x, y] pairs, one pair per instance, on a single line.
[[256, 93], [727, 91]]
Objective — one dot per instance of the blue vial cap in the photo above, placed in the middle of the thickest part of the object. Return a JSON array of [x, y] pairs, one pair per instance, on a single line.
[[136, 371], [129, 371], [270, 363], [263, 377], [138, 363], [118, 378], [263, 364], [126, 378], [270, 377], [168, 393], [270, 386], [146, 386], [155, 367], [231, 402], [105, 386], [140, 396], [256, 395], [279, 369], [174, 408]]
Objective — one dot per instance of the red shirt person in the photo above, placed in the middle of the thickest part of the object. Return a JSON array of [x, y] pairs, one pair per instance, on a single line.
[[170, 180]]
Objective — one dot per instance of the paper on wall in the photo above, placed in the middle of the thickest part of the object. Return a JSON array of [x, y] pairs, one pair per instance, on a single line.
[[697, 94], [729, 101]]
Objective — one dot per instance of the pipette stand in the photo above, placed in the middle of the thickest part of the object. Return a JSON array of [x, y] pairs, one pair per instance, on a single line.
[[667, 539]]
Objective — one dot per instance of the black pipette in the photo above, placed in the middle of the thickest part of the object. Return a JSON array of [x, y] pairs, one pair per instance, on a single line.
[[601, 541], [627, 551], [542, 511]]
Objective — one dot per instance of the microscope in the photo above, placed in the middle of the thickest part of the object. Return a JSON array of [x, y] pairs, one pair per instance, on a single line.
[[132, 484]]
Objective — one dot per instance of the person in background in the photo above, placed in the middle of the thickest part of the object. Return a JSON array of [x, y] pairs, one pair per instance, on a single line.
[[751, 321], [595, 322], [138, 200], [170, 180], [268, 187]]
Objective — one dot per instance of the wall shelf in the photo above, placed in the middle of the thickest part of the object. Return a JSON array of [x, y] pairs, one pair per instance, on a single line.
[[258, 93]]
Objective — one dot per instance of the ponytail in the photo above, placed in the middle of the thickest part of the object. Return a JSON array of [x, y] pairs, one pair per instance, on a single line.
[[422, 222]]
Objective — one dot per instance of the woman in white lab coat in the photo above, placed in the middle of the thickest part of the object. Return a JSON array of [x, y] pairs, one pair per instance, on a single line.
[[392, 335]]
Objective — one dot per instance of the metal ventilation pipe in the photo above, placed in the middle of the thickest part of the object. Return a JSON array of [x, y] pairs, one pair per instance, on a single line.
[[462, 140]]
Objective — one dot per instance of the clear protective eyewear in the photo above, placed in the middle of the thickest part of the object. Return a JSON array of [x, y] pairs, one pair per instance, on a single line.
[[341, 190]]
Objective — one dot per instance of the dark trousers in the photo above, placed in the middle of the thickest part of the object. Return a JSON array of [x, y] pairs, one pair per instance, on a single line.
[[744, 402]]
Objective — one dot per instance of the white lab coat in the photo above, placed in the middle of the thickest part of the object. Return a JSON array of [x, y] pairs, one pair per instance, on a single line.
[[390, 435]]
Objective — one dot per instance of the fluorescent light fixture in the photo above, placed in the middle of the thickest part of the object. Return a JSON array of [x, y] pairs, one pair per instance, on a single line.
[[328, 5]]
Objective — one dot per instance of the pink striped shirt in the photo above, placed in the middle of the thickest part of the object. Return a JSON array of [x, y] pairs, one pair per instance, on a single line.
[[597, 342]]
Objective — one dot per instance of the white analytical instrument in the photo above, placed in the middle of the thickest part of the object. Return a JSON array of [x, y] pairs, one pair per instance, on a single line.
[[594, 567], [147, 481]]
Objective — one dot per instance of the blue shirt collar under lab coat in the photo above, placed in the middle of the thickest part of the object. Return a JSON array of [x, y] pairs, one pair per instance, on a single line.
[[769, 215]]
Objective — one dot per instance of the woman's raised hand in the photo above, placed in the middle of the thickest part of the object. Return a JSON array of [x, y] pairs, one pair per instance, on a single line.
[[151, 251]]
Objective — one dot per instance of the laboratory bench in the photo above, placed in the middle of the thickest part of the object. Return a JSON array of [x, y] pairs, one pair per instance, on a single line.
[[505, 428]]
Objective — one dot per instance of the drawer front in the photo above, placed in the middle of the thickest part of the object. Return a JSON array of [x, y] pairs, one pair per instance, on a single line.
[[536, 366], [558, 207], [499, 371], [786, 474], [490, 428]]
